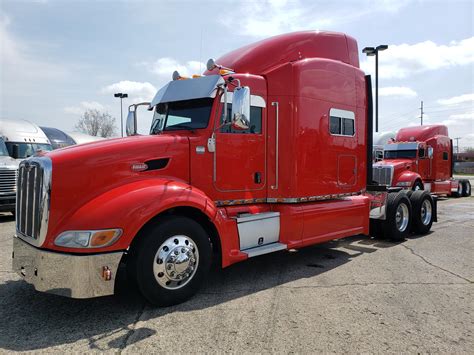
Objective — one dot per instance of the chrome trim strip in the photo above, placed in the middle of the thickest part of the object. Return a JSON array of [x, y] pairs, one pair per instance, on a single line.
[[275, 187], [220, 203]]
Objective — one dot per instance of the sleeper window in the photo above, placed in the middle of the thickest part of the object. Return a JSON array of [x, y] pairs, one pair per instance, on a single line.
[[341, 122]]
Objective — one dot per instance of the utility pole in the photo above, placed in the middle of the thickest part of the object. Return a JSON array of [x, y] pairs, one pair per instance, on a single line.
[[421, 110], [457, 147]]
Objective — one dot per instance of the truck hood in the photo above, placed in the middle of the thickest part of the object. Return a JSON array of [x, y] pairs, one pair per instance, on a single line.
[[403, 169], [398, 164], [81, 173], [8, 162]]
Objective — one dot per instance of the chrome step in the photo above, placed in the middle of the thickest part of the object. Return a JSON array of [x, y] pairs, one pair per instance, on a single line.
[[264, 249]]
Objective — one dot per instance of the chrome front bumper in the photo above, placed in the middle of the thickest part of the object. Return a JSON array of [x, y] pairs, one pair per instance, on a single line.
[[75, 276]]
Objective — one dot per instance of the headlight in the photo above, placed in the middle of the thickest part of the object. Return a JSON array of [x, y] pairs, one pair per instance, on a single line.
[[88, 239], [404, 183]]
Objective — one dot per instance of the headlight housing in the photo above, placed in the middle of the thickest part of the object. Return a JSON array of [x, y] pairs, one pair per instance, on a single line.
[[88, 238]]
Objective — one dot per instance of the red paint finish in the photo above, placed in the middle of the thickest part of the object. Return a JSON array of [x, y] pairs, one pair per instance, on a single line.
[[305, 75]]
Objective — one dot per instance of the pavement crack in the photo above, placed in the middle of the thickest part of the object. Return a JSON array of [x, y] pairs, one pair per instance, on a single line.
[[376, 284], [131, 330], [434, 265]]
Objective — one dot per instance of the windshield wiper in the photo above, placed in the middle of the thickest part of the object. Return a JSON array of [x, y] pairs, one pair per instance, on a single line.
[[180, 126]]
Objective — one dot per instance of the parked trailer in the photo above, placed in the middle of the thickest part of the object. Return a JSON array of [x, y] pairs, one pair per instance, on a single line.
[[270, 150], [421, 158]]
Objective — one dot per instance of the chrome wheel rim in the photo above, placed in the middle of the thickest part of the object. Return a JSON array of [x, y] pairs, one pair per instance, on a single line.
[[426, 211], [402, 217], [468, 189], [176, 262]]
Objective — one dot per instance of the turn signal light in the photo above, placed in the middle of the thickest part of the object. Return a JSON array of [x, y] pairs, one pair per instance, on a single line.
[[102, 238]]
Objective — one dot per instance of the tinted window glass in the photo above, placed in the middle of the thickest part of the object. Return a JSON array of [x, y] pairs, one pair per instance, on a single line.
[[26, 150], [190, 114], [421, 152], [348, 129], [445, 155], [335, 125], [255, 120], [394, 154]]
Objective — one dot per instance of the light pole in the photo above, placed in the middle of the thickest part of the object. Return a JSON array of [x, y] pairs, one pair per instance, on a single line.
[[121, 96], [370, 51]]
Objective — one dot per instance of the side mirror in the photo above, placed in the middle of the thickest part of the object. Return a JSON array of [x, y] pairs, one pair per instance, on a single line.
[[131, 125], [430, 152], [241, 108], [15, 151]]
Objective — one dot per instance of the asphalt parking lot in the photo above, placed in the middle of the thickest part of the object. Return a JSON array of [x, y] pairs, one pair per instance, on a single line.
[[351, 295]]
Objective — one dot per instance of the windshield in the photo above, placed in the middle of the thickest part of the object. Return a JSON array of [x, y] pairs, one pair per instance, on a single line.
[[189, 114], [3, 149], [26, 150], [394, 154]]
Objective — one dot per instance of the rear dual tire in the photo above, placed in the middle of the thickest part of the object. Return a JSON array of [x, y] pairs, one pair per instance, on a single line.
[[466, 188], [406, 212]]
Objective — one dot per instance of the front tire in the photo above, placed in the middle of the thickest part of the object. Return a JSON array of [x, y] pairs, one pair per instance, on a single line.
[[398, 219], [418, 185], [171, 260]]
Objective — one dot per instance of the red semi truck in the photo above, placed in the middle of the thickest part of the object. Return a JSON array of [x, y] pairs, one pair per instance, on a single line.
[[421, 158], [269, 150]]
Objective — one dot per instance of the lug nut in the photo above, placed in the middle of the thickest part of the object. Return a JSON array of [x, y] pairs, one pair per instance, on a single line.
[[176, 252]]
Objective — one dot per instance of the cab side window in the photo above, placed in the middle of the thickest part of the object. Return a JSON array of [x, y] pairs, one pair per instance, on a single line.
[[255, 121], [445, 155], [421, 152]]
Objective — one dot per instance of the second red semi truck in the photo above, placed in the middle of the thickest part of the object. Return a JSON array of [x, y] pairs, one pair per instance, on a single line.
[[421, 158], [269, 150]]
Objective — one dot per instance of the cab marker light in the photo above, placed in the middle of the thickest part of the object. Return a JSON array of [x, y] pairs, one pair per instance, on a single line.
[[88, 239]]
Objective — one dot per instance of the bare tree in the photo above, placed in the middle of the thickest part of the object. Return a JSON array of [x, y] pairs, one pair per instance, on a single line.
[[96, 123]]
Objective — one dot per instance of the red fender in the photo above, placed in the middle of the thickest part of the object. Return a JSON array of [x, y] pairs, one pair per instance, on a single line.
[[130, 207]]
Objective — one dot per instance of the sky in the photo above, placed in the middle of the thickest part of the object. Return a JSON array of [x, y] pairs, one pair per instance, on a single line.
[[60, 57]]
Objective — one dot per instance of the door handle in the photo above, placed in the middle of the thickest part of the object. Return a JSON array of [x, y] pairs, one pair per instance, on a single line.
[[275, 187], [257, 178]]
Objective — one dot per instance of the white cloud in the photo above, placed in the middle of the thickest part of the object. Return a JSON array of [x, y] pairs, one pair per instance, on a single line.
[[457, 100], [271, 17], [398, 91], [137, 91], [83, 106], [401, 61]]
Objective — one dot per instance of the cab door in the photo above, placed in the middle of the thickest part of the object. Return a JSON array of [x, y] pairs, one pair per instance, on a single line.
[[424, 162], [239, 161]]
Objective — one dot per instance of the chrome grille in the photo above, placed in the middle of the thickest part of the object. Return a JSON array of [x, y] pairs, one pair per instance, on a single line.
[[382, 174], [32, 199], [8, 181]]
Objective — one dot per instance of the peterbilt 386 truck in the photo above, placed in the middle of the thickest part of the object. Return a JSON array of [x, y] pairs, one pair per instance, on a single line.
[[269, 150], [421, 158]]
